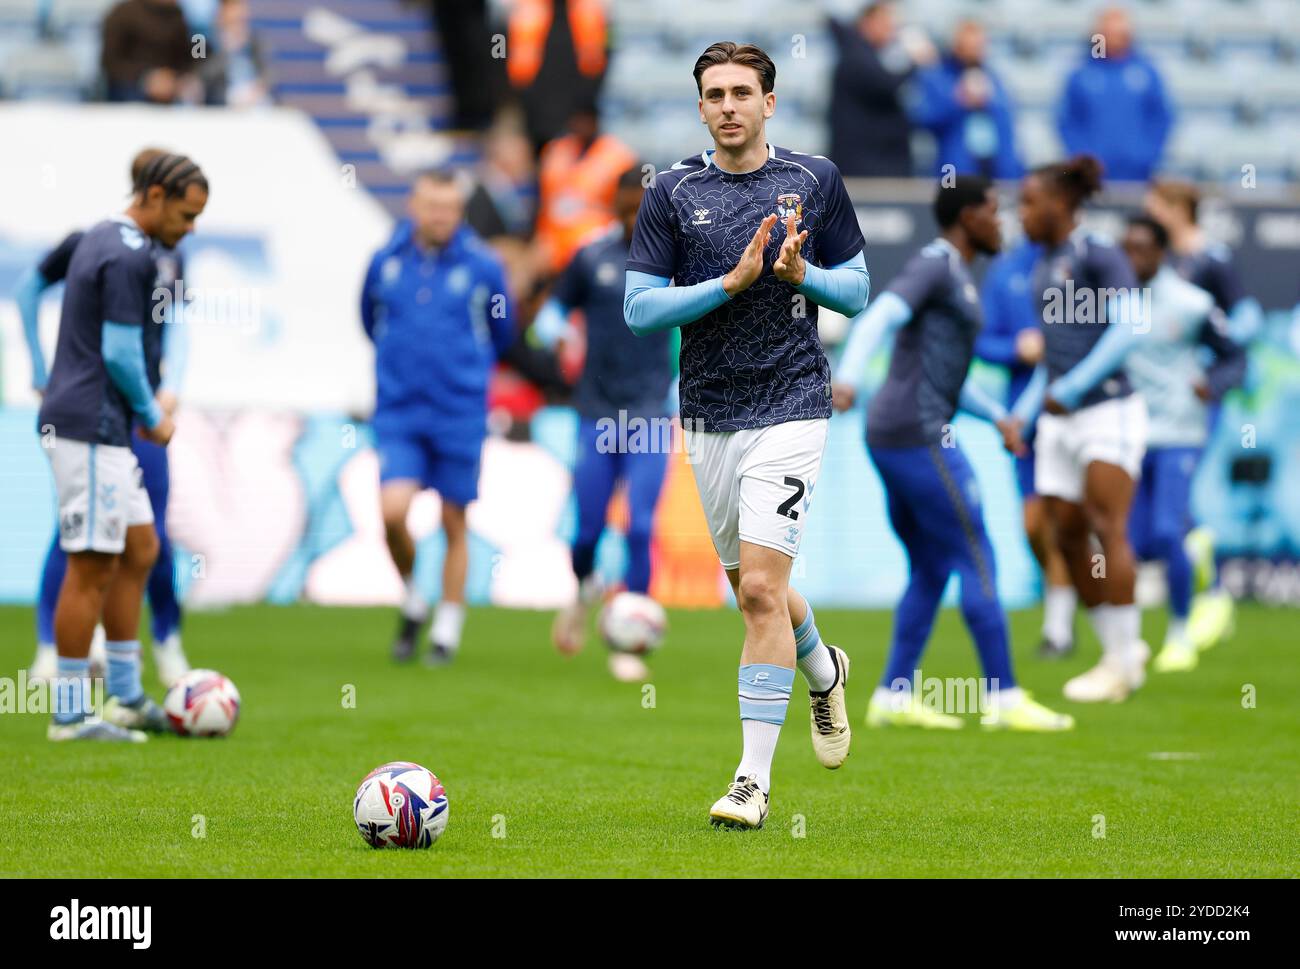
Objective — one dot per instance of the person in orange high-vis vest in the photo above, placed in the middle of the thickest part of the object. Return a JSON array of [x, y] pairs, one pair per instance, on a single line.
[[530, 24], [578, 175]]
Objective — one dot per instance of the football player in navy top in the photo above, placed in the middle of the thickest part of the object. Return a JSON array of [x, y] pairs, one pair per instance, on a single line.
[[1092, 439], [933, 307], [166, 349], [754, 383], [99, 386], [624, 431]]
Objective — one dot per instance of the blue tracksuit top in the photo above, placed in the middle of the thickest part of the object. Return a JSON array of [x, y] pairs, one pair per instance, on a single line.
[[439, 320]]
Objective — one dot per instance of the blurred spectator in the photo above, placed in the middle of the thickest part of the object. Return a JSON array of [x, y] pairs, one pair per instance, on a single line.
[[502, 204], [1115, 105], [966, 107], [557, 52], [232, 71], [504, 199], [870, 131], [477, 81], [577, 177], [146, 53]]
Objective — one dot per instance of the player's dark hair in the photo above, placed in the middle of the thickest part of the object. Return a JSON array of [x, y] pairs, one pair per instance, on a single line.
[[175, 173], [1177, 192], [729, 52], [965, 190], [142, 158], [1158, 232], [1078, 178]]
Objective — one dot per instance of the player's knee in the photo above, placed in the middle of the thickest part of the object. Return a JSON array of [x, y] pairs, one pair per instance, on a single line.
[[141, 551], [759, 594]]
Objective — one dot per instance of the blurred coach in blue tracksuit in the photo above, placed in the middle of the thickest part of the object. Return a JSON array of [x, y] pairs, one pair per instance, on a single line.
[[1115, 106], [967, 109], [436, 307]]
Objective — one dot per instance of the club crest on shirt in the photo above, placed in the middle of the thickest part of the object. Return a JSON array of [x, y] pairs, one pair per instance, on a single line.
[[788, 204]]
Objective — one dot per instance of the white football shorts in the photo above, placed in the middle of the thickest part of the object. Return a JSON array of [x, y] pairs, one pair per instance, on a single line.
[[1113, 431], [756, 485], [100, 495]]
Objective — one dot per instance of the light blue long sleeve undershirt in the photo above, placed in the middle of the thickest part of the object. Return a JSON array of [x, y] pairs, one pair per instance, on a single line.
[[843, 288], [1246, 320], [123, 352], [882, 319], [28, 297], [176, 352], [974, 399], [1105, 357], [650, 303]]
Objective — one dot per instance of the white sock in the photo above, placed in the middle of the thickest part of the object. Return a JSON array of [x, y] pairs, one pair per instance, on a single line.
[[1127, 621], [1177, 630], [448, 621], [760, 746], [1059, 602], [173, 641], [414, 605], [818, 668]]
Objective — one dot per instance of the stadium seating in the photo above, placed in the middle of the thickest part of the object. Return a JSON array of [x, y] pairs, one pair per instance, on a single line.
[[370, 72]]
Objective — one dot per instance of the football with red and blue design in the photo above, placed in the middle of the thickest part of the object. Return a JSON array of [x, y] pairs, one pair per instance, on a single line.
[[400, 805], [202, 703]]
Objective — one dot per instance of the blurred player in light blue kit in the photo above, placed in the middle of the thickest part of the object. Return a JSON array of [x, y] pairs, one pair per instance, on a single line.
[[99, 387], [436, 307], [1167, 368], [755, 383], [1202, 262], [932, 312], [625, 379], [166, 354]]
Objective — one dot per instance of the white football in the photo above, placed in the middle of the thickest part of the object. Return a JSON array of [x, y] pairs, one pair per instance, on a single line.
[[633, 623], [202, 703], [400, 805]]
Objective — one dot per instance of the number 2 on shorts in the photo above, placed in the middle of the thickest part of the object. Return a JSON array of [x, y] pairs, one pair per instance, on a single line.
[[787, 507]]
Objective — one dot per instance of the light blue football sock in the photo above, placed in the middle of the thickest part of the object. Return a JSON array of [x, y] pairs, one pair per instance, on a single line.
[[764, 696], [124, 671], [765, 692], [812, 655], [70, 689]]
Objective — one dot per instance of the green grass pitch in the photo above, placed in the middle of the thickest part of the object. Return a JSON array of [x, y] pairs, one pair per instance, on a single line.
[[552, 768]]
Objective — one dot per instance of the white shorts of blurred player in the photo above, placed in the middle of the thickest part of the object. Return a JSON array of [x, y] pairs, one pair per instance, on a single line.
[[756, 485], [100, 495], [1113, 431]]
